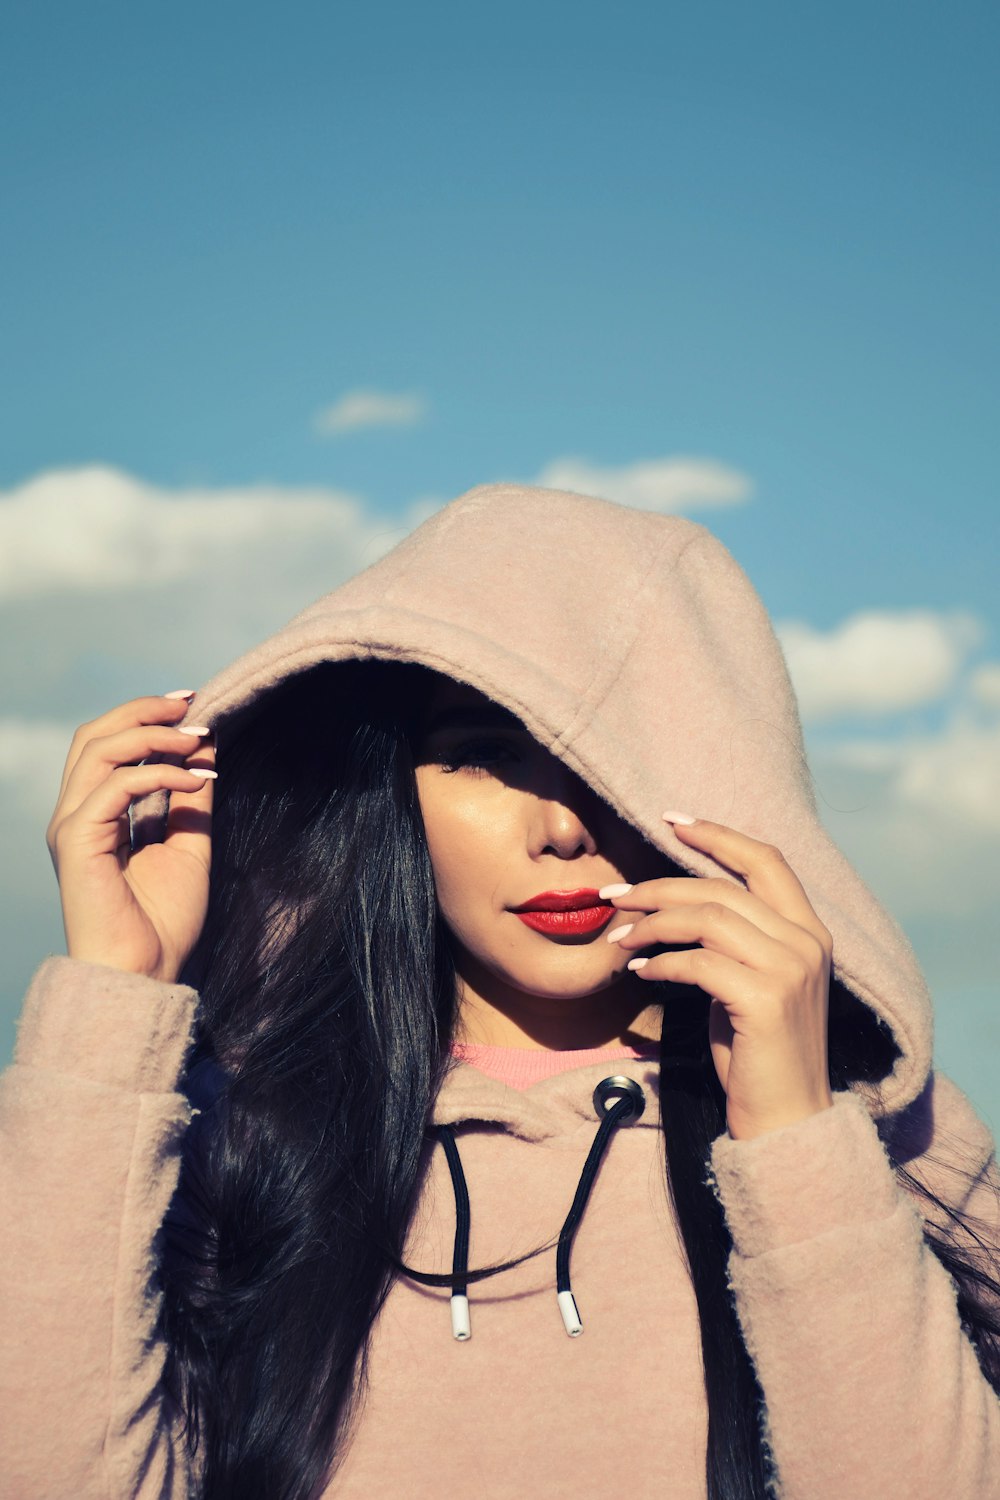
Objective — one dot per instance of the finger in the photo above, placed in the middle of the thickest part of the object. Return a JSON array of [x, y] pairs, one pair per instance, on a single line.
[[718, 928], [721, 978], [771, 1009], [709, 894], [764, 868], [189, 819], [100, 755], [138, 711], [94, 828]]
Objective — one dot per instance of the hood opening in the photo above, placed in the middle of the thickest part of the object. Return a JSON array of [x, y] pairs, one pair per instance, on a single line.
[[282, 721]]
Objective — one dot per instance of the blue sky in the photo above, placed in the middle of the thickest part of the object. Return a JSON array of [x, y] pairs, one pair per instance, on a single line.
[[760, 238]]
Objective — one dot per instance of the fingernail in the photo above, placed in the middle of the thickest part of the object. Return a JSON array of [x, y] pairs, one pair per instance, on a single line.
[[196, 729], [181, 693], [676, 817], [196, 771], [620, 932], [607, 891], [637, 963]]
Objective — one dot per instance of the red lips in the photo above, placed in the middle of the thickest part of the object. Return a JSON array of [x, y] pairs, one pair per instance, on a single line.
[[566, 913]]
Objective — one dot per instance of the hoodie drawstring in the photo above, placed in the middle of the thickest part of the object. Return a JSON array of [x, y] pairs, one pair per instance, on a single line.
[[630, 1103], [460, 1325]]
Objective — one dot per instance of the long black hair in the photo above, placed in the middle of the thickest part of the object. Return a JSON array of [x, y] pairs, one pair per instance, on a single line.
[[327, 1003]]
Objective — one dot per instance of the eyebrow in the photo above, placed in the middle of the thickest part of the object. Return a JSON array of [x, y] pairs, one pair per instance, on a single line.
[[469, 715]]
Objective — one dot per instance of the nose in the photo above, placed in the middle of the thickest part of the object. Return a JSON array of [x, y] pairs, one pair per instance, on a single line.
[[561, 821]]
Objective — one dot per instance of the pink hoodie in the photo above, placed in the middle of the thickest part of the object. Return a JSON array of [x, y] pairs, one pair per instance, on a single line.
[[667, 690]]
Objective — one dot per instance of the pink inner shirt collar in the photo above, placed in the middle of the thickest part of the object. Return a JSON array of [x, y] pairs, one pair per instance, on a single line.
[[520, 1067]]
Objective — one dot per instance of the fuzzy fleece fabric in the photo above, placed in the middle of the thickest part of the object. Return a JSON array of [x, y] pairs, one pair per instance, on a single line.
[[634, 647]]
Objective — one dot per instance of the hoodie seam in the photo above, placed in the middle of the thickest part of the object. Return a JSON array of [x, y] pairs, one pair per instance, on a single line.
[[608, 671], [446, 523]]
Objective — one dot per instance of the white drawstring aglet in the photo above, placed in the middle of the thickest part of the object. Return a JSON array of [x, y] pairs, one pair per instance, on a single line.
[[570, 1315], [460, 1325]]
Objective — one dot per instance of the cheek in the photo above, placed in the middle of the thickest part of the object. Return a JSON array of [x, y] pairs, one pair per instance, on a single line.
[[466, 839]]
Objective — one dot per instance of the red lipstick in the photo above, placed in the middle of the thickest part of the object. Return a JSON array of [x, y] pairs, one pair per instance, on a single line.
[[565, 913]]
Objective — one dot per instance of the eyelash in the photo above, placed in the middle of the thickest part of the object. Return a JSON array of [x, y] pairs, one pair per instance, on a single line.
[[464, 756]]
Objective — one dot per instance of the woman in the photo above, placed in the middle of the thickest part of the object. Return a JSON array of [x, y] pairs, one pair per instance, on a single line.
[[421, 1110]]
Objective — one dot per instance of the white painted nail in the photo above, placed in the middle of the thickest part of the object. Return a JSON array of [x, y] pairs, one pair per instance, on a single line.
[[637, 963], [607, 891], [194, 771], [181, 693], [676, 817], [196, 729], [620, 932]]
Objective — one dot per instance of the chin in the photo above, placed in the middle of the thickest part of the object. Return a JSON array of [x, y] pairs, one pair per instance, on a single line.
[[559, 986]]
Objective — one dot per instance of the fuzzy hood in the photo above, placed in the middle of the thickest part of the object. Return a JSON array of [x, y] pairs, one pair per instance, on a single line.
[[634, 647]]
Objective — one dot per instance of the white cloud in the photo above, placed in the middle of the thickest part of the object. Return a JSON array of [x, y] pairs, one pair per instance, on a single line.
[[877, 662], [32, 758], [111, 588], [984, 684], [97, 529], [951, 775], [667, 485], [368, 408], [957, 772]]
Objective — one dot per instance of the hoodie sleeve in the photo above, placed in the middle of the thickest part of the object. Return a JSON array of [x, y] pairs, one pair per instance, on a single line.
[[91, 1123], [870, 1383]]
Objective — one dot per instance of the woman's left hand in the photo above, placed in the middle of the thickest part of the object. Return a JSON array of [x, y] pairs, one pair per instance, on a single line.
[[765, 963]]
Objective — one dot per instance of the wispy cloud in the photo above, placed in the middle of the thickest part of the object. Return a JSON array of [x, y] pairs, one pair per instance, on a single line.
[[953, 774], [370, 408], [111, 588], [667, 485], [879, 662], [96, 529], [984, 684], [32, 757]]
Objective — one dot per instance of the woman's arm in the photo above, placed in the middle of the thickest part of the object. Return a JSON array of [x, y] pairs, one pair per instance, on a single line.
[[871, 1385], [91, 1122]]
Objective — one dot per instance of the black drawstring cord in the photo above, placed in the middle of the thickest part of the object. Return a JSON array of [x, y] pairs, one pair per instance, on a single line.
[[564, 1292], [631, 1102], [460, 1325]]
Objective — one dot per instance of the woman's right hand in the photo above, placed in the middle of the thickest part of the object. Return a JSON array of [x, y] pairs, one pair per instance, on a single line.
[[142, 911]]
